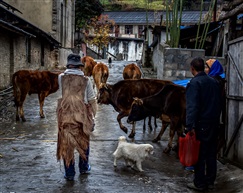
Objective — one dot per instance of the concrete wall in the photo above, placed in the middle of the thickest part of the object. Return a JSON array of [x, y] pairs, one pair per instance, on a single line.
[[63, 57], [55, 17], [63, 18], [36, 12]]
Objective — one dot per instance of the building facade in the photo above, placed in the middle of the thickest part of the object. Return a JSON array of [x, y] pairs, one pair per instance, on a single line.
[[34, 35]]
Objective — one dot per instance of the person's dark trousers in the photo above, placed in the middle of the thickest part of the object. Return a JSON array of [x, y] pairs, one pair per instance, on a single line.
[[84, 164], [69, 171], [211, 164], [206, 167]]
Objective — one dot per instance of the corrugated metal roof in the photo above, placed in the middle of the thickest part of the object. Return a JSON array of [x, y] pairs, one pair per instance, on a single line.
[[139, 18]]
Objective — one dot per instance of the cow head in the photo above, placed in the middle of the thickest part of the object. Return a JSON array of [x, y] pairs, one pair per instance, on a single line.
[[104, 94], [137, 111]]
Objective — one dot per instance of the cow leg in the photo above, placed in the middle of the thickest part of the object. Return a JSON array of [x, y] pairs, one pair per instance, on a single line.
[[21, 112], [169, 146], [179, 131], [21, 106], [132, 134], [155, 122], [144, 125], [19, 99], [149, 123], [119, 117], [163, 128], [41, 97], [17, 113], [173, 126]]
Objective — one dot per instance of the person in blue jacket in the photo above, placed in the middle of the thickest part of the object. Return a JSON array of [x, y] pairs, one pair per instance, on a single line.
[[214, 69]]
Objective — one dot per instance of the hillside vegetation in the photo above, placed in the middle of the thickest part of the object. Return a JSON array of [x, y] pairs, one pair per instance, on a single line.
[[126, 5]]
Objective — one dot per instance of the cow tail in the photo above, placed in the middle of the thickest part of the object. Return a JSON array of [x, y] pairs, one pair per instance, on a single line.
[[135, 75], [16, 90], [104, 77]]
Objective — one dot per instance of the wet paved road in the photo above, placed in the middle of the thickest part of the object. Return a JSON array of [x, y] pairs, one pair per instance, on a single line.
[[28, 162]]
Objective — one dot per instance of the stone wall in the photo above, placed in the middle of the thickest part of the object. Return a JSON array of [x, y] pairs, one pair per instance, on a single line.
[[5, 59], [174, 63], [13, 55]]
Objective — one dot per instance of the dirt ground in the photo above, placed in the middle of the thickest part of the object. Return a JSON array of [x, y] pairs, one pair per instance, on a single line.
[[28, 156]]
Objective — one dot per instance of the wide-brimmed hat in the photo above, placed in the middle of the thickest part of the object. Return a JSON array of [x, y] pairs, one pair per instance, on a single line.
[[74, 59]]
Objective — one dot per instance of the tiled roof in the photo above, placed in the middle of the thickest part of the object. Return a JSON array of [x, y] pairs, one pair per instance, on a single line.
[[139, 18]]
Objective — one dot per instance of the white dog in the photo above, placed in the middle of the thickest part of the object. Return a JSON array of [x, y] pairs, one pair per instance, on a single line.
[[132, 153]]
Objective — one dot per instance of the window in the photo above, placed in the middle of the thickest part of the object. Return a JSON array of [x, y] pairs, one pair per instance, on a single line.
[[140, 30], [128, 29], [111, 29], [28, 50], [42, 54]]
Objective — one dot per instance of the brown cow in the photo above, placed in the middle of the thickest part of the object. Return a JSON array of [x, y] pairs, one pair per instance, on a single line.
[[29, 82], [121, 94], [89, 64], [132, 71], [165, 123], [171, 101], [100, 74]]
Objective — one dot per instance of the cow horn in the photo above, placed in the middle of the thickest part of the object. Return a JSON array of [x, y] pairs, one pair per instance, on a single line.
[[105, 85], [138, 100], [135, 98]]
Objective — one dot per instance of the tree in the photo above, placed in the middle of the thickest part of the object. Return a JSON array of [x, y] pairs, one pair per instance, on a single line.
[[173, 21], [85, 10], [201, 38], [100, 28]]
